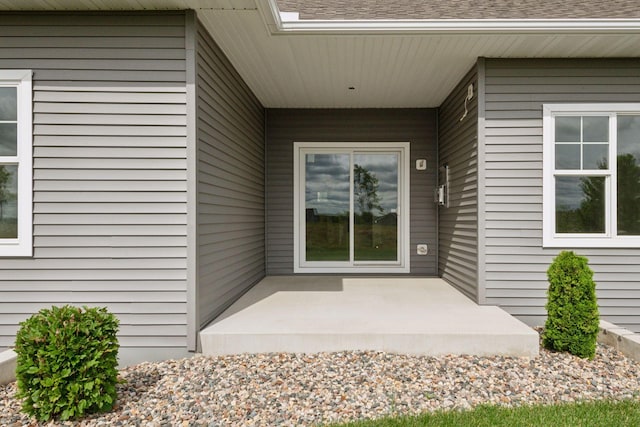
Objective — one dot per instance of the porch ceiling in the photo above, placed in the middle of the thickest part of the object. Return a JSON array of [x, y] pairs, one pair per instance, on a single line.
[[313, 64]]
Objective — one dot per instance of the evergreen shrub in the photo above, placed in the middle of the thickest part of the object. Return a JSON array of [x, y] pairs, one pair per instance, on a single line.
[[572, 308], [67, 362]]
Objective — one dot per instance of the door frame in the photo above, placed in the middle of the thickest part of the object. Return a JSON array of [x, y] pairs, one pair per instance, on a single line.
[[403, 150]]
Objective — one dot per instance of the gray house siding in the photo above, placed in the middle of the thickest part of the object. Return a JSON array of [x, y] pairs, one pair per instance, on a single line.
[[516, 263], [109, 174], [230, 182], [284, 127], [458, 222]]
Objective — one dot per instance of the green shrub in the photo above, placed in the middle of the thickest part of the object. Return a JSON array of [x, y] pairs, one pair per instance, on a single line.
[[572, 308], [67, 362]]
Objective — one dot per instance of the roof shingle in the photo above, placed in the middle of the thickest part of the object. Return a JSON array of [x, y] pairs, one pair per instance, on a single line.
[[461, 9]]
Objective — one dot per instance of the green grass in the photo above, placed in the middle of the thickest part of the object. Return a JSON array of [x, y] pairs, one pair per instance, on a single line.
[[8, 229], [602, 413], [327, 241]]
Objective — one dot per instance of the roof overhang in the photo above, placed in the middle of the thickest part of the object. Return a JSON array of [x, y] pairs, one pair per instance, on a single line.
[[289, 22], [296, 63]]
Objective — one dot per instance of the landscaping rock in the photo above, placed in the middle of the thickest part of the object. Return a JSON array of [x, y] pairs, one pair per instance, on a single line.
[[307, 389]]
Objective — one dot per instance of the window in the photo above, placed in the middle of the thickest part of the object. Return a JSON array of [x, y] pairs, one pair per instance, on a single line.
[[591, 175], [15, 163]]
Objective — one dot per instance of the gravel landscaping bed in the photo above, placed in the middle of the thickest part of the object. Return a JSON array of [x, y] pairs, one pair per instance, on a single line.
[[309, 389]]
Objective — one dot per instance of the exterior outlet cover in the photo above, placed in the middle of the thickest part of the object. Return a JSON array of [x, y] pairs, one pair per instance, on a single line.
[[421, 164], [422, 249]]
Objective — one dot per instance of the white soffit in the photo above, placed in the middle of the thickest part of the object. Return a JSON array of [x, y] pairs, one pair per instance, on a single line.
[[312, 64], [295, 63]]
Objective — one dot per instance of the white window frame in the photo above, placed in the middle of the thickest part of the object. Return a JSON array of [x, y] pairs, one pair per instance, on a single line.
[[608, 239], [23, 245], [375, 267]]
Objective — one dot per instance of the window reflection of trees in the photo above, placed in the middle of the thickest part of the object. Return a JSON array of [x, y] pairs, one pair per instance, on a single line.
[[365, 192], [8, 220], [4, 191], [375, 229], [628, 195], [590, 218]]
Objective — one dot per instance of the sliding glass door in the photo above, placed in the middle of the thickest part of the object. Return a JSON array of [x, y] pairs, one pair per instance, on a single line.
[[350, 213]]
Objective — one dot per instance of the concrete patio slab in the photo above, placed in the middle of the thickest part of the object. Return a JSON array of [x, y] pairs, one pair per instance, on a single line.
[[8, 359], [403, 315]]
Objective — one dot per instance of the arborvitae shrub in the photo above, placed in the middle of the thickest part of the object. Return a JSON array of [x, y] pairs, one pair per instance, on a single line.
[[67, 362], [572, 307]]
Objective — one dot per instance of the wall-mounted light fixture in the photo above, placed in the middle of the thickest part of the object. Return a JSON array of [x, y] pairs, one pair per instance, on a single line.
[[468, 98]]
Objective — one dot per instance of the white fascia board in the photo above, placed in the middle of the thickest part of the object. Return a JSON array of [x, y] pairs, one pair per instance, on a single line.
[[463, 26], [270, 14]]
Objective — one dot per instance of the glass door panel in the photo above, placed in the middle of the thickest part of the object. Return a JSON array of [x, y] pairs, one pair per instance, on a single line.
[[327, 201], [375, 206]]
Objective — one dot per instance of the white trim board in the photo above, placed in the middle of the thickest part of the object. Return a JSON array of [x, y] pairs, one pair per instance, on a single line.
[[23, 245]]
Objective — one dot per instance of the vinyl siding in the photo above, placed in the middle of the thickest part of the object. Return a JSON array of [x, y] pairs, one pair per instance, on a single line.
[[286, 126], [516, 262], [230, 150], [109, 174], [458, 222]]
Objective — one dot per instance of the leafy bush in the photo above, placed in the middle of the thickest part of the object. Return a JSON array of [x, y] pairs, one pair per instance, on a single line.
[[67, 362], [572, 308]]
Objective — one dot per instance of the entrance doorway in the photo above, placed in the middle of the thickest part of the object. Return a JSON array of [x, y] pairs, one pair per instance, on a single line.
[[351, 204]]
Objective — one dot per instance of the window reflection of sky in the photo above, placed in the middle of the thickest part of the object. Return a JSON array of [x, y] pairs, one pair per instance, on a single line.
[[385, 168], [582, 129], [568, 193], [327, 181], [629, 136], [8, 113], [8, 139], [585, 136], [568, 129], [8, 104], [567, 156], [595, 156], [595, 129]]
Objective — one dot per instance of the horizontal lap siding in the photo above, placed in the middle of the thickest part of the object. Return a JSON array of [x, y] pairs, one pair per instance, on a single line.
[[285, 126], [458, 223], [231, 241], [516, 262], [109, 151]]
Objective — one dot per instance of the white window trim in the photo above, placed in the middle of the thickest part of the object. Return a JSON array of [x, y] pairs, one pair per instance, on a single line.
[[403, 266], [609, 239], [23, 245]]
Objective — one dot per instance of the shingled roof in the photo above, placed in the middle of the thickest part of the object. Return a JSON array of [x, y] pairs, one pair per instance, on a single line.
[[461, 9]]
